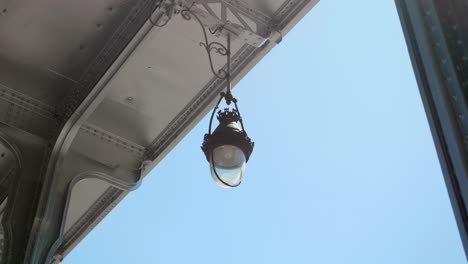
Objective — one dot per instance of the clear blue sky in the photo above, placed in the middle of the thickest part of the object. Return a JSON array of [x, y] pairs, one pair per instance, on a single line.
[[344, 168]]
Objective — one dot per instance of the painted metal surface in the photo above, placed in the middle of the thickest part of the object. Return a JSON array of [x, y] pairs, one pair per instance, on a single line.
[[437, 35], [93, 96]]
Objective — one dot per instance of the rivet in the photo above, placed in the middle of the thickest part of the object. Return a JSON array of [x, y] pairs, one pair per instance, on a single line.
[[129, 99], [5, 10]]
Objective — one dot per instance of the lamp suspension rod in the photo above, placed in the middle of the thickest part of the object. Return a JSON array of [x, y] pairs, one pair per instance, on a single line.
[[229, 63]]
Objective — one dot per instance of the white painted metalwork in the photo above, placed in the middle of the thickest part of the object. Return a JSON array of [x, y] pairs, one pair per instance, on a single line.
[[93, 96]]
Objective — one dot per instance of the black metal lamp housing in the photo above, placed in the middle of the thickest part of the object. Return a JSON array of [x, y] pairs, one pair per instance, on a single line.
[[227, 149]]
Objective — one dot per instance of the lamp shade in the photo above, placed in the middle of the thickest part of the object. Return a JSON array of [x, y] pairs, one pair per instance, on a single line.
[[227, 165]]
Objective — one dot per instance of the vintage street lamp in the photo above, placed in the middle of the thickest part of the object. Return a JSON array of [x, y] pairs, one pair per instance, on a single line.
[[228, 148]]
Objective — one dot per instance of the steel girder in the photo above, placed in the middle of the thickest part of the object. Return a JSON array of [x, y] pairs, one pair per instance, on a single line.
[[436, 32]]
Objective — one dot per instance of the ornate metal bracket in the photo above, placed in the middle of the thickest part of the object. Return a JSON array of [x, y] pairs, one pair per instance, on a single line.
[[171, 7], [168, 8], [215, 46]]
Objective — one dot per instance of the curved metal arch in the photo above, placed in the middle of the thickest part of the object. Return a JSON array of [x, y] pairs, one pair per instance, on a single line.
[[7, 227], [87, 175], [70, 128], [13, 149]]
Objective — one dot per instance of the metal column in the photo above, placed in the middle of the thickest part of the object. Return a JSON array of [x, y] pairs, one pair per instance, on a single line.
[[436, 33]]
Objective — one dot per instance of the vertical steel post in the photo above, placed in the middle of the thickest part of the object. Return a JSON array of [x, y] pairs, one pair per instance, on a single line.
[[436, 33]]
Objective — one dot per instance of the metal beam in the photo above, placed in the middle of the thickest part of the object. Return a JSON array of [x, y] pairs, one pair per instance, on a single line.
[[121, 171], [140, 12], [437, 38], [34, 238], [47, 232], [243, 8], [262, 21], [29, 154], [26, 113]]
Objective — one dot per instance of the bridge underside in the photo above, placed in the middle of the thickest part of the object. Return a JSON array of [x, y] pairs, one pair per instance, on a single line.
[[93, 96]]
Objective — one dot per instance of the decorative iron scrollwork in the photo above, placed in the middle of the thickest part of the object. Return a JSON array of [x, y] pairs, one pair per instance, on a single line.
[[209, 46], [168, 8]]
